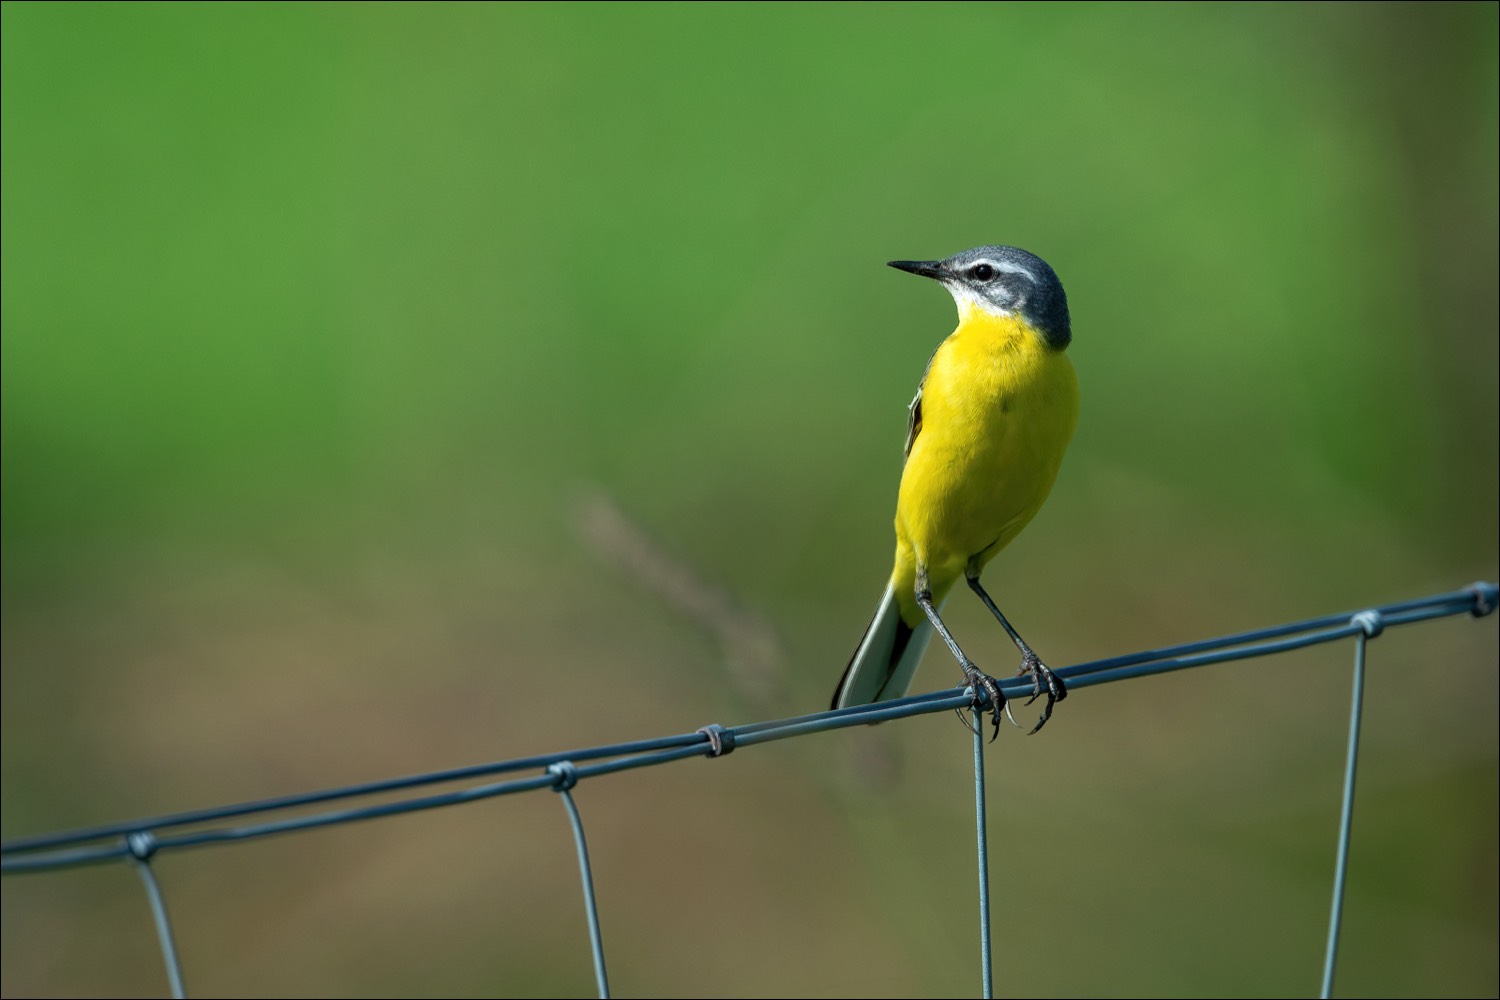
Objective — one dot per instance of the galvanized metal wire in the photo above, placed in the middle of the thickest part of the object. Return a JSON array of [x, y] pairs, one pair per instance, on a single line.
[[986, 951], [140, 840], [142, 846], [1372, 625], [566, 777]]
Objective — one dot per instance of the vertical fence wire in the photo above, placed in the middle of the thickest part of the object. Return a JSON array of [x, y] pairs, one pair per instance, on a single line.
[[565, 776], [986, 959], [1370, 625], [142, 846]]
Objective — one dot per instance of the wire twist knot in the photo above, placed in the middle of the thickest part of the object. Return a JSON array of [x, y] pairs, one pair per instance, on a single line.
[[720, 740], [141, 844], [1370, 621], [564, 776], [1485, 595]]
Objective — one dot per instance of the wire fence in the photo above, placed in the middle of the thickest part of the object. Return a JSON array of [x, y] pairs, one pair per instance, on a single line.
[[138, 842]]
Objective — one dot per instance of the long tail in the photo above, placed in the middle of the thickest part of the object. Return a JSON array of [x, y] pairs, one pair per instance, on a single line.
[[885, 659]]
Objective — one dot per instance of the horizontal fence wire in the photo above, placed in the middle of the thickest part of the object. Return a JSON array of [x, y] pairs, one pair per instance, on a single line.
[[108, 842], [140, 840]]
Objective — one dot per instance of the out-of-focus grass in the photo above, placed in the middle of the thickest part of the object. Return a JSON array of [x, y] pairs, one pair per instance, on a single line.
[[319, 321]]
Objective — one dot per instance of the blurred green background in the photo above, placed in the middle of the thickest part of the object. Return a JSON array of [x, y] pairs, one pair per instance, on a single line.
[[389, 388]]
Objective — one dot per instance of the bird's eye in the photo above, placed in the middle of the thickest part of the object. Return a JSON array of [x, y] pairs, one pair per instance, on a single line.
[[981, 272]]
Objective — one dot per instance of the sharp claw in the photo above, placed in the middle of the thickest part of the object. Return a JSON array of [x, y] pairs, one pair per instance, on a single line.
[[1030, 664], [978, 680], [1046, 714], [971, 727], [1055, 690], [996, 701]]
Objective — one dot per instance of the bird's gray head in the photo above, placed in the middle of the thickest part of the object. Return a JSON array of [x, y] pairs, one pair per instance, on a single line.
[[1006, 281]]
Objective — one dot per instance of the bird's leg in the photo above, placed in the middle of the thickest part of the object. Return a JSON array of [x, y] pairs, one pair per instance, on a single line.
[[972, 674], [1030, 662]]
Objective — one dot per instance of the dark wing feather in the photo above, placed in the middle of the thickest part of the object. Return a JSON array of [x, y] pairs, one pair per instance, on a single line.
[[913, 423], [914, 413]]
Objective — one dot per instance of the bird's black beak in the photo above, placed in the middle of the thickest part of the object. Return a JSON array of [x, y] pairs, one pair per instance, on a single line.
[[926, 268]]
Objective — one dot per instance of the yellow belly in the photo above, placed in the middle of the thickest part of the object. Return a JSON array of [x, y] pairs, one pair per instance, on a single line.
[[998, 410]]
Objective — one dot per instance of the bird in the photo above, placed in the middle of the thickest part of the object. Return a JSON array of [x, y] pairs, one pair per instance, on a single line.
[[985, 436]]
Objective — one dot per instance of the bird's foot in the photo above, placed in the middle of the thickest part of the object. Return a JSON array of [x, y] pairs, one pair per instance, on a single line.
[[979, 681], [1041, 674]]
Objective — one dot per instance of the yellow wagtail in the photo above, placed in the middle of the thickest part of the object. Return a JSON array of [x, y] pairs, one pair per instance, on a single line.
[[988, 427]]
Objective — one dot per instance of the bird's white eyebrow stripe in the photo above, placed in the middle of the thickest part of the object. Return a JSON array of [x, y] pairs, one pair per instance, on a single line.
[[1005, 265]]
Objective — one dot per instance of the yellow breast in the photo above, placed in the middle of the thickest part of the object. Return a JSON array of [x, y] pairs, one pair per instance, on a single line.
[[998, 409]]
